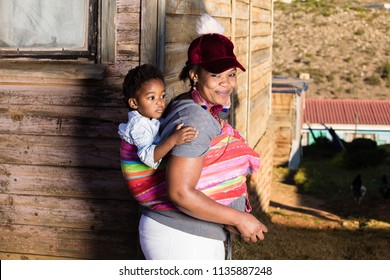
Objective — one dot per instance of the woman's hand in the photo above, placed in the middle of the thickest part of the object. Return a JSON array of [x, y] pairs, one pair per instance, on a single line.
[[250, 228], [182, 177]]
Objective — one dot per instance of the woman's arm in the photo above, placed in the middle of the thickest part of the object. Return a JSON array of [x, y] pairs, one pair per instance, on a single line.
[[182, 177]]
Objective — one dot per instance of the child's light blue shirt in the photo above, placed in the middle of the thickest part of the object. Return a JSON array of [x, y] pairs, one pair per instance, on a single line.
[[142, 132]]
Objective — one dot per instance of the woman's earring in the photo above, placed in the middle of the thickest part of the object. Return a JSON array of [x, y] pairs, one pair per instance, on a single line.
[[195, 81]]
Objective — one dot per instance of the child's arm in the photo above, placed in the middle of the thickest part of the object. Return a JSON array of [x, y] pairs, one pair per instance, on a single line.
[[179, 136]]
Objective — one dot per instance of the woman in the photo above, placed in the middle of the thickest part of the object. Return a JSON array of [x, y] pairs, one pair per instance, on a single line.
[[205, 190]]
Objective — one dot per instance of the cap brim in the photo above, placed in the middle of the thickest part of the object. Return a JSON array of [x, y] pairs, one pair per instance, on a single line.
[[221, 65]]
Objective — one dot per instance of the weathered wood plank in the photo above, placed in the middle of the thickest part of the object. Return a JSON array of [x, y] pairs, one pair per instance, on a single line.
[[259, 111], [260, 56], [87, 214], [242, 10], [259, 85], [175, 87], [259, 106], [108, 31], [67, 243], [242, 28], [148, 51], [37, 81], [52, 70], [59, 151], [70, 95], [241, 47], [261, 42], [175, 59], [261, 15], [261, 28], [240, 110], [180, 30], [128, 21], [184, 7], [65, 121], [17, 256], [264, 4], [260, 70], [128, 6], [189, 7], [220, 8], [127, 51], [119, 70], [63, 182], [127, 34]]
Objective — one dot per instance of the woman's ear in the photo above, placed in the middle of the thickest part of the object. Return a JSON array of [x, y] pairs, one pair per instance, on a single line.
[[193, 75], [133, 103]]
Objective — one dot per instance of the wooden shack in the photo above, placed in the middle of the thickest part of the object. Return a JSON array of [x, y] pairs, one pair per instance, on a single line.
[[288, 96], [62, 194]]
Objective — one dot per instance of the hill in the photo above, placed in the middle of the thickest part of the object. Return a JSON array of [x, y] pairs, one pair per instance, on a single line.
[[343, 45]]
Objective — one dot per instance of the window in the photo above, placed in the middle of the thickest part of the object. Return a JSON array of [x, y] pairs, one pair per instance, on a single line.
[[59, 29]]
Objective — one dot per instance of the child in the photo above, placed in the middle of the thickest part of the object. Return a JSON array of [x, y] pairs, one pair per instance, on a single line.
[[144, 93]]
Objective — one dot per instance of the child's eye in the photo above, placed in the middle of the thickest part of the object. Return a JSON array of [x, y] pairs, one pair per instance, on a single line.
[[151, 98]]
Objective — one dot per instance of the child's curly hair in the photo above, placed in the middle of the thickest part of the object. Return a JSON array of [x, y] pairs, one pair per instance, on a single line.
[[136, 77]]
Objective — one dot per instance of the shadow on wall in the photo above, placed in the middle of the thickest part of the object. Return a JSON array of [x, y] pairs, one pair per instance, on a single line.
[[109, 215]]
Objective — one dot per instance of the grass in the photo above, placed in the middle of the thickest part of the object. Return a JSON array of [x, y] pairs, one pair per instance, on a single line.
[[384, 71], [328, 8], [364, 234], [289, 243], [324, 174], [324, 8]]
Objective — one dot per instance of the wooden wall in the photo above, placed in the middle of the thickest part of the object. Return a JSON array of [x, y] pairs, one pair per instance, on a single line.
[[288, 95], [62, 194], [283, 118], [61, 189]]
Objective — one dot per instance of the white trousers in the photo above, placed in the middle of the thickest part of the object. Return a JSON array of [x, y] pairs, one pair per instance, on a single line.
[[160, 242]]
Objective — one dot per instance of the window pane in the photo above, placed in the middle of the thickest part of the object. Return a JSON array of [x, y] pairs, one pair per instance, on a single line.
[[44, 25]]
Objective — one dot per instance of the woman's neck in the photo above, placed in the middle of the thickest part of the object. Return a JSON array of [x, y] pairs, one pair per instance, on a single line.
[[214, 109]]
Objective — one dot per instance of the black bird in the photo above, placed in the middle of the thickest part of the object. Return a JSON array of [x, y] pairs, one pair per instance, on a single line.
[[358, 190], [385, 188]]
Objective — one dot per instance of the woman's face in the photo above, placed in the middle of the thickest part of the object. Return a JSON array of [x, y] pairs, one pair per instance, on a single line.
[[217, 88]]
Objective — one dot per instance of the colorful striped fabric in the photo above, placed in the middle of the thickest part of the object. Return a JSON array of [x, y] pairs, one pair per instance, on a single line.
[[223, 177]]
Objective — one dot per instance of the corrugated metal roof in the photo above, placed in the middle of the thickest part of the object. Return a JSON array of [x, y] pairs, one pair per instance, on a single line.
[[347, 111]]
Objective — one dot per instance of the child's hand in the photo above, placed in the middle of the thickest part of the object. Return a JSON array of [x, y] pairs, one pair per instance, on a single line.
[[183, 134]]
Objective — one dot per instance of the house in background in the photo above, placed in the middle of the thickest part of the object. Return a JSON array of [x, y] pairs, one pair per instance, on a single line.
[[350, 119], [288, 97], [62, 194]]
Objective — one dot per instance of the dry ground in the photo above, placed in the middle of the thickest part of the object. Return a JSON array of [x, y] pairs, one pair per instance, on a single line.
[[303, 227], [289, 207]]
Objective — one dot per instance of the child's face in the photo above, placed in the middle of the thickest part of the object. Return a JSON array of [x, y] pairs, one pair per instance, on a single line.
[[150, 99]]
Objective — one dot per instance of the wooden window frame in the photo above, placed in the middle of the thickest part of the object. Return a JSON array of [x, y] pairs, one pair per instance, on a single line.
[[90, 53], [76, 69]]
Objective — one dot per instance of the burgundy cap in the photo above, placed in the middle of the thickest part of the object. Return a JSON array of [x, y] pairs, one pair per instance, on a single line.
[[214, 52]]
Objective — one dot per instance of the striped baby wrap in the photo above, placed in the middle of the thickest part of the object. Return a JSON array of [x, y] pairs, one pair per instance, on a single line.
[[223, 177]]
